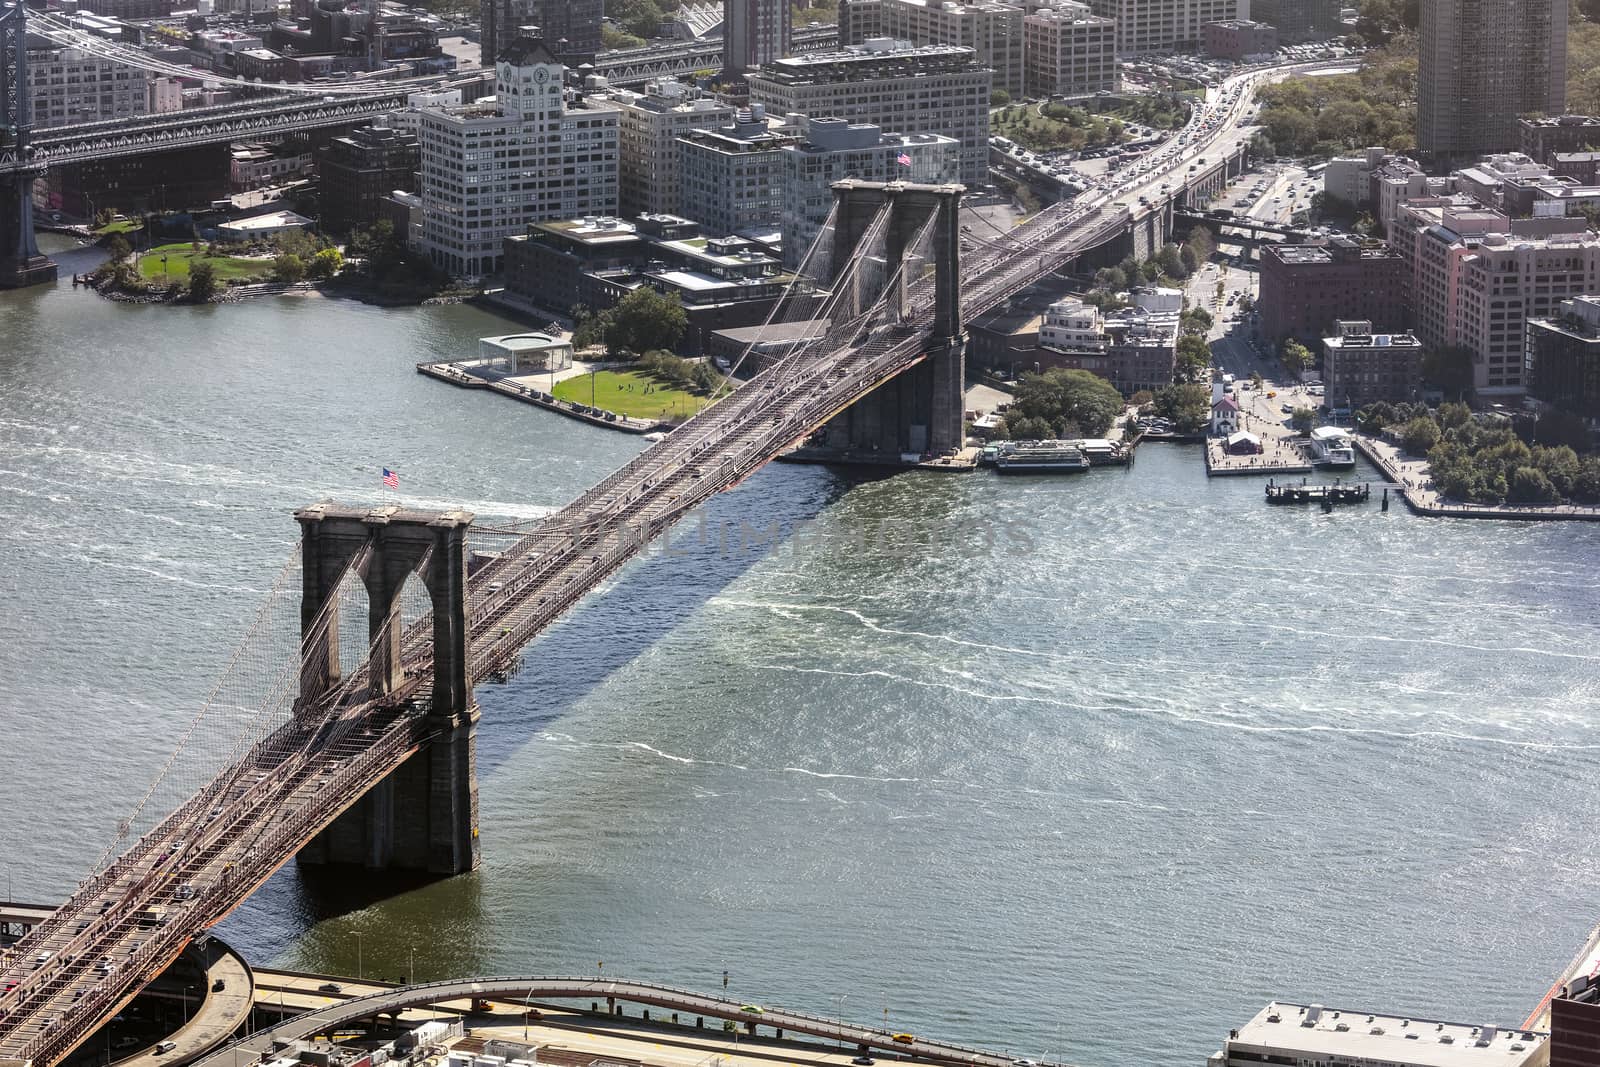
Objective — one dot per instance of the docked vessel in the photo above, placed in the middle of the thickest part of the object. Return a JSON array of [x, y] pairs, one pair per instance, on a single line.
[[1040, 457], [1331, 447]]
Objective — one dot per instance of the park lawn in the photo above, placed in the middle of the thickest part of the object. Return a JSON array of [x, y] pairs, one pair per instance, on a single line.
[[624, 393], [178, 257], [120, 226]]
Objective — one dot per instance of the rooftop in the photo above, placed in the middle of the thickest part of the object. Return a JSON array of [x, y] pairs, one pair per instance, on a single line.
[[1360, 1037]]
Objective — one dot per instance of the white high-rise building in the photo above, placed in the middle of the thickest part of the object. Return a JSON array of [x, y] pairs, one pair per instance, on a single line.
[[534, 151], [651, 123]]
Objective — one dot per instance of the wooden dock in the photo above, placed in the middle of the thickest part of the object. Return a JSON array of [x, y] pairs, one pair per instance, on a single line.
[[1288, 458]]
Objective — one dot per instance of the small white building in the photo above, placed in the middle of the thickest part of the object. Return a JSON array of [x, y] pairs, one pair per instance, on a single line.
[[257, 226], [522, 352], [1225, 418]]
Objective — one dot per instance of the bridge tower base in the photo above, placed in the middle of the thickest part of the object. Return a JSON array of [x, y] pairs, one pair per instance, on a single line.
[[920, 410], [424, 816], [21, 262]]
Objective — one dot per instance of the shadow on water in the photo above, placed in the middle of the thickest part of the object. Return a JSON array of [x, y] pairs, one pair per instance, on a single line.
[[677, 575], [706, 553]]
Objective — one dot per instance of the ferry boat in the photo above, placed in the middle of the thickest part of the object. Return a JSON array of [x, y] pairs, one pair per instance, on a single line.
[[1331, 447], [1040, 457]]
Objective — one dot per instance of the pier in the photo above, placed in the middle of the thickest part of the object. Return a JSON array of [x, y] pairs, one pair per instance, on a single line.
[[1415, 487], [610, 420], [1281, 456], [1326, 494]]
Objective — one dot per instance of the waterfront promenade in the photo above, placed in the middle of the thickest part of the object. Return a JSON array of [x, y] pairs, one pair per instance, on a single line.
[[1411, 474]]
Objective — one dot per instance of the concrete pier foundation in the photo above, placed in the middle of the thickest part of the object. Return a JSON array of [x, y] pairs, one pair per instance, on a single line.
[[424, 816]]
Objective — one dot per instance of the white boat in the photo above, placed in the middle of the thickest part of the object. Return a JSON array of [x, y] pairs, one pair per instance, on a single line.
[[1040, 457], [1331, 447]]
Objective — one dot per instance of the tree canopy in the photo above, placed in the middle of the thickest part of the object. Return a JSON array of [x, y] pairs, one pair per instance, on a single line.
[[1072, 403]]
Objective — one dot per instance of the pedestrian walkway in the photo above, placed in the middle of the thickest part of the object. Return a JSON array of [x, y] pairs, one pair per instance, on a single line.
[[1415, 480]]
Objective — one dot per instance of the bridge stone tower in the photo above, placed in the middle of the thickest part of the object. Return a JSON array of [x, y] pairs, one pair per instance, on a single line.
[[922, 409], [424, 816], [20, 260]]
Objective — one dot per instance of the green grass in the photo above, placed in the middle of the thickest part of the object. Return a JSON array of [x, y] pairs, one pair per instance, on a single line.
[[624, 393], [120, 226], [171, 263]]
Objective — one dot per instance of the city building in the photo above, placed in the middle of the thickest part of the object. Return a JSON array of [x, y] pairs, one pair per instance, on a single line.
[[1485, 179], [1582, 167], [1305, 289], [1315, 1036], [859, 20], [70, 85], [754, 33], [992, 30], [722, 282], [1575, 1023], [1541, 137], [1563, 357], [1349, 178], [1133, 348], [831, 150], [166, 96], [649, 126], [355, 172], [533, 151], [733, 175], [1068, 51], [1237, 39], [1298, 21], [252, 166], [1476, 277], [1395, 183], [571, 28], [1361, 366], [893, 85], [1145, 26], [128, 9], [1484, 64]]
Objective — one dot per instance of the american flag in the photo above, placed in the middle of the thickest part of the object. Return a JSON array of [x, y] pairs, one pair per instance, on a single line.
[[391, 480], [903, 159]]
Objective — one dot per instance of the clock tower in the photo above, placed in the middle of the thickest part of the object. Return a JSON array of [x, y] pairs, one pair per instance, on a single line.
[[528, 80]]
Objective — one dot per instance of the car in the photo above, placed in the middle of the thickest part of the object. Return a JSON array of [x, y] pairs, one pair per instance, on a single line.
[[753, 1009], [906, 1039], [166, 1046], [1288, 409], [863, 1061], [330, 987]]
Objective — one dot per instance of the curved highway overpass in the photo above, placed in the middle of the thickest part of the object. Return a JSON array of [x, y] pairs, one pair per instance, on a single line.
[[335, 1016]]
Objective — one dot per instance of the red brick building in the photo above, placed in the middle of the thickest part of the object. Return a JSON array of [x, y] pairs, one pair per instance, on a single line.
[[1306, 289]]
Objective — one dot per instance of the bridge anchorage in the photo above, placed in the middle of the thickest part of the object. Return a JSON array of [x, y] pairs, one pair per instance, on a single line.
[[21, 262], [919, 410], [424, 815]]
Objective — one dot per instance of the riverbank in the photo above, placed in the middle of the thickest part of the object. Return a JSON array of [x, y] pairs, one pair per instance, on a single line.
[[1416, 489]]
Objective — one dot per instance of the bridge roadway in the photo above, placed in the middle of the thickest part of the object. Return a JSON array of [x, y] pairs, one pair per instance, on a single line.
[[282, 114], [386, 1002], [105, 942]]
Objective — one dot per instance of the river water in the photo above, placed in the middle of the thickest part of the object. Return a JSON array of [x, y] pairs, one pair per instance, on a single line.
[[1087, 767]]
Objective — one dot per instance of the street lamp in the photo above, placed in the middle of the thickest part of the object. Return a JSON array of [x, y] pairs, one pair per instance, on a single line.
[[186, 989], [841, 999], [358, 955], [525, 1010]]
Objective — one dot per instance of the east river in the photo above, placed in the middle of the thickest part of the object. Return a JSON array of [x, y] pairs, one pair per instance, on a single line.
[[1087, 767]]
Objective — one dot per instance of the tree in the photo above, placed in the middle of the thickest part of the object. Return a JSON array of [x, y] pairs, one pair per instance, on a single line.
[[706, 380], [1450, 368], [1171, 262], [1296, 358], [1256, 381], [1188, 405], [1075, 403], [1420, 435], [1454, 416], [202, 281], [326, 263], [1193, 358], [288, 268], [118, 248], [1303, 418], [1530, 485], [1197, 320], [999, 98], [644, 320]]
